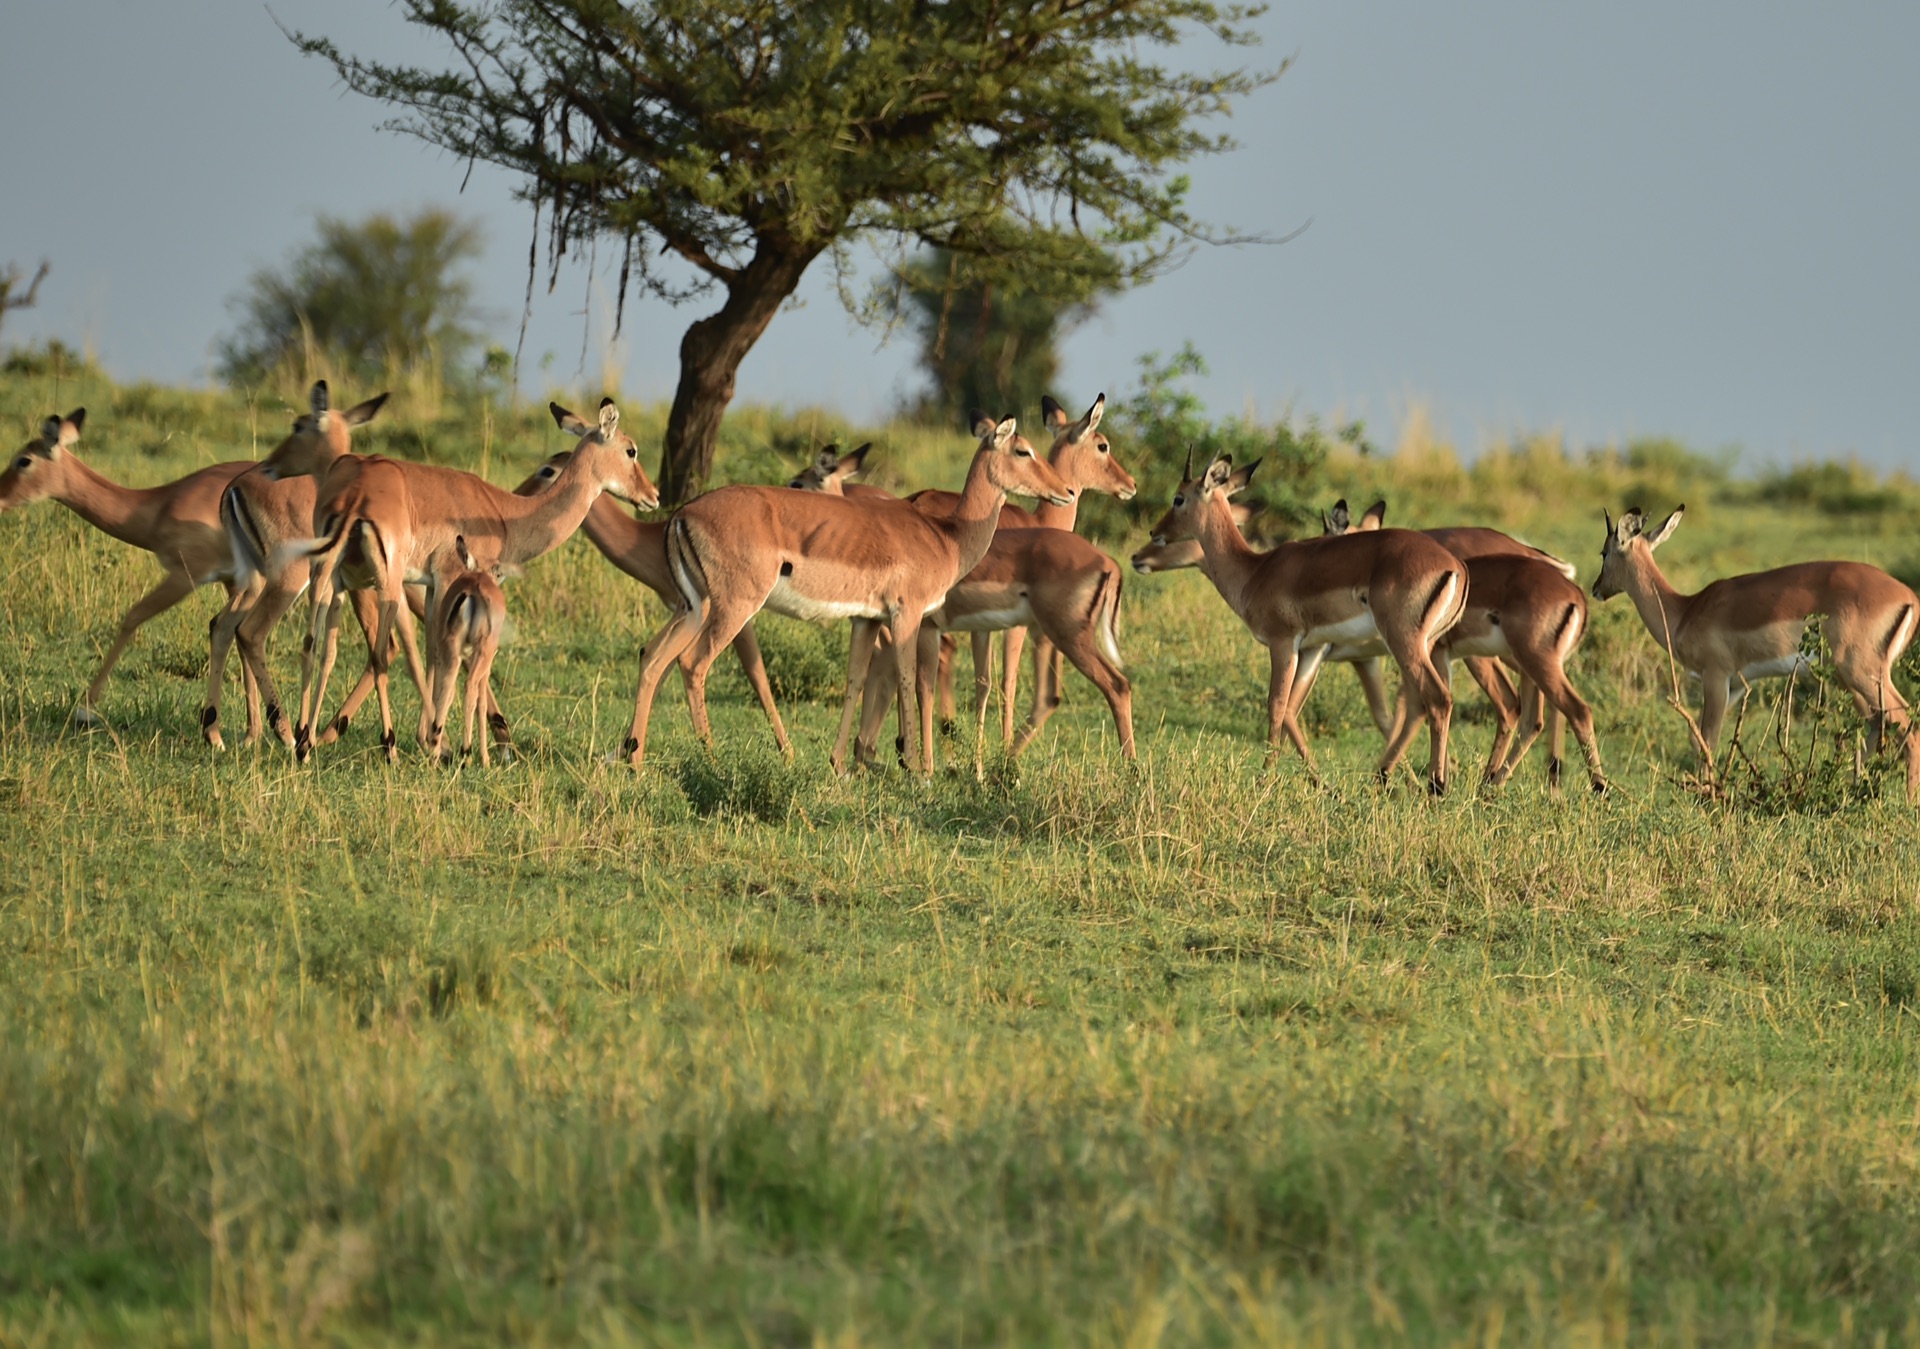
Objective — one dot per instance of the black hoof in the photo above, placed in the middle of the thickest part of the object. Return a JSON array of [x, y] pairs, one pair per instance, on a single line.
[[1436, 786], [209, 717], [631, 747], [340, 725]]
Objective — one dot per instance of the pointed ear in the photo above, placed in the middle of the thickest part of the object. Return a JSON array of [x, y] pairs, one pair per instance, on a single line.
[[460, 551], [980, 422], [827, 460], [363, 413], [1052, 415], [1339, 519], [1219, 474], [569, 422], [1003, 432], [1241, 477], [1094, 414], [78, 419], [609, 419], [1375, 517], [1667, 526], [1631, 526], [853, 463], [51, 431]]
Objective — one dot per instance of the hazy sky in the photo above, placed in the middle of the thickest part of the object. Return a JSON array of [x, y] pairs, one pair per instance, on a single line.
[[1634, 218]]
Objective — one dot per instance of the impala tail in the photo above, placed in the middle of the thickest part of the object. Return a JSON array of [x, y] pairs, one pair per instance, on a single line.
[[1106, 615], [296, 550]]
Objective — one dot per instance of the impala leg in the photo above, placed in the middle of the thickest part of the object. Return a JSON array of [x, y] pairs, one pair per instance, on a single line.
[[366, 611], [747, 647], [982, 643], [174, 587], [1013, 643], [660, 653], [1280, 698], [857, 701], [1426, 697], [1506, 712], [323, 605], [479, 678], [1373, 687], [1083, 649], [220, 635], [382, 662], [1565, 704], [905, 626], [497, 729], [949, 644], [444, 674], [926, 669], [256, 629], [1715, 695]]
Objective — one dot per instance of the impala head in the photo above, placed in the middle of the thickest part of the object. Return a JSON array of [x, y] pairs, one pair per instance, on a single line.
[[39, 467], [542, 477], [1081, 454], [616, 456], [830, 470], [1340, 520], [1158, 557], [1624, 542], [1196, 496], [319, 436], [1012, 466]]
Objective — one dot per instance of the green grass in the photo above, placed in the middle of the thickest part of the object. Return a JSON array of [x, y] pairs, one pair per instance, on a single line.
[[733, 1051]]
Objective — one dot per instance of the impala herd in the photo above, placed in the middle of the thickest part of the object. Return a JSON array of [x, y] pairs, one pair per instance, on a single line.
[[398, 540]]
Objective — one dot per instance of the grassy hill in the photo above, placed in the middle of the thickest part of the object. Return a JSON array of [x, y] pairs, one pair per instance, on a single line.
[[733, 1051]]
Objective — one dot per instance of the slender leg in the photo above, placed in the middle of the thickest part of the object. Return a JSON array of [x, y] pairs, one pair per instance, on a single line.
[[479, 675], [220, 635], [1080, 647], [173, 588], [927, 667], [366, 611], [661, 652], [1013, 644], [905, 626], [747, 647], [982, 675], [1373, 686], [948, 646], [860, 656], [1506, 717]]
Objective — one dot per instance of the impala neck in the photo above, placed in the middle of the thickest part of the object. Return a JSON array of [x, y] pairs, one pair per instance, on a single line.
[[610, 529], [1225, 555], [126, 513], [1049, 516], [978, 514], [535, 525], [1661, 606]]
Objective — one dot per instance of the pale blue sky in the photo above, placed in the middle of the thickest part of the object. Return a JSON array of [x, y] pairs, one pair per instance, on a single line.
[[1691, 219]]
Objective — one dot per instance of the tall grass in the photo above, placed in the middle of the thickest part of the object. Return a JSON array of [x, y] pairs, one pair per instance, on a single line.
[[734, 1051]]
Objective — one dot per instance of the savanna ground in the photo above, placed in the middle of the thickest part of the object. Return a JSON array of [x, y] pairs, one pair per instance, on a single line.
[[734, 1051]]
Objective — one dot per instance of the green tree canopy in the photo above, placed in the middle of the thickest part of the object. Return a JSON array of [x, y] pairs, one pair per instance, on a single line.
[[988, 340], [744, 139], [381, 294]]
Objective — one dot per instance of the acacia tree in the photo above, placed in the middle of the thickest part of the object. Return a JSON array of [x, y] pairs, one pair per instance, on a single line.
[[728, 144]]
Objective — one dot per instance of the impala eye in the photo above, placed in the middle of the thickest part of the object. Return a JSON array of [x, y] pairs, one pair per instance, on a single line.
[[25, 461], [547, 473], [632, 452], [1179, 501]]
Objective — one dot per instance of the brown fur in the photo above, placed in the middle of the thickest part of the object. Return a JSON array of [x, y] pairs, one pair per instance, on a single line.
[[466, 630]]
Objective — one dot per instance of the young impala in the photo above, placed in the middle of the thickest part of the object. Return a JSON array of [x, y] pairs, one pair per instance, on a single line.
[[465, 630], [1302, 596], [1750, 627], [809, 555]]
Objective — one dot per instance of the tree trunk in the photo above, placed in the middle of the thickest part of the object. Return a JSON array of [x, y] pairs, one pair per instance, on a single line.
[[710, 356]]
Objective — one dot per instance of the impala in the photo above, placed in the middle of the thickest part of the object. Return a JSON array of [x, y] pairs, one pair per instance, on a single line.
[[1300, 597], [383, 522], [465, 631], [178, 522], [1750, 627], [810, 555], [639, 548], [259, 513], [1085, 461], [830, 470]]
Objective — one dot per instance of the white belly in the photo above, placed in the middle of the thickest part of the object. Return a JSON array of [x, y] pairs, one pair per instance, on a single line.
[[1360, 628], [1778, 667], [784, 599], [993, 620], [1493, 643]]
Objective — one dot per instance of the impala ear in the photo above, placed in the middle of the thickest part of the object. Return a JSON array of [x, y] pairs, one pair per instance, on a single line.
[[1632, 525], [1375, 517], [1241, 477], [460, 551], [320, 401], [569, 422], [856, 461], [51, 432], [1003, 431], [1219, 474], [1094, 414], [827, 460], [1052, 415], [981, 423], [1339, 519], [364, 412], [1667, 526], [609, 419]]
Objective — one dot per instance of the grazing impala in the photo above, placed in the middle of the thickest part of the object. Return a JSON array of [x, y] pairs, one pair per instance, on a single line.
[[383, 522], [465, 631], [810, 555], [1750, 627], [178, 522], [639, 548], [1302, 596]]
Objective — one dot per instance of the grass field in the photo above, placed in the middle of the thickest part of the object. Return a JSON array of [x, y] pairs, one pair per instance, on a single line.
[[734, 1051]]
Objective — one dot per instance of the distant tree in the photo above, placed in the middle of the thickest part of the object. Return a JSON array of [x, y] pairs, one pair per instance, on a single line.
[[11, 297], [746, 138], [989, 340], [379, 294]]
